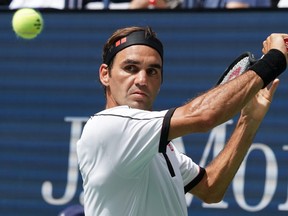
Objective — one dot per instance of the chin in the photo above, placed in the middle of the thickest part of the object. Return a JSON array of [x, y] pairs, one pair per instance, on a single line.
[[142, 106]]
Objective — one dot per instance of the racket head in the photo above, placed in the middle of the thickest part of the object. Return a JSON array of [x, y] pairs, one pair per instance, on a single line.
[[240, 65]]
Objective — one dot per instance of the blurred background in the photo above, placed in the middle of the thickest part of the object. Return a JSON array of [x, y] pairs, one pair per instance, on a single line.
[[49, 88]]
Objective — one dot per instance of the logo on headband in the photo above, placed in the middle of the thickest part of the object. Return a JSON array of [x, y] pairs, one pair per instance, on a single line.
[[121, 41]]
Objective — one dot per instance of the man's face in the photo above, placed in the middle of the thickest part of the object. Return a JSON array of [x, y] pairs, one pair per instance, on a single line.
[[135, 78]]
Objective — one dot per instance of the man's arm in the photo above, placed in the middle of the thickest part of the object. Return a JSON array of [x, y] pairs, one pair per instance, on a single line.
[[223, 102], [236, 4], [141, 4], [244, 93], [221, 171], [214, 107]]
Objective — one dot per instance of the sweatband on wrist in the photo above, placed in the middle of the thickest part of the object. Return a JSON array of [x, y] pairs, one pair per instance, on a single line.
[[270, 66]]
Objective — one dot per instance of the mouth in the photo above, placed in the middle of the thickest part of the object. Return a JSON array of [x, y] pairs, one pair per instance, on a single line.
[[140, 94], [140, 99]]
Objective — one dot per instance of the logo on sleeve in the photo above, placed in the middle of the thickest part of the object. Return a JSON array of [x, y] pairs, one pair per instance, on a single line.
[[170, 147]]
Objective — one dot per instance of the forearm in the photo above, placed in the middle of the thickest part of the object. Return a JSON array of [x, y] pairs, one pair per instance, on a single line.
[[216, 106], [236, 4], [140, 4], [231, 157], [221, 171], [225, 101]]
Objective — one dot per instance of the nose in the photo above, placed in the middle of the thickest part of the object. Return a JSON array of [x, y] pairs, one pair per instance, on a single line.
[[141, 78]]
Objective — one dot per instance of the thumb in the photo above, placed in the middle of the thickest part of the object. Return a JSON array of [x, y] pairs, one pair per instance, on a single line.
[[273, 87]]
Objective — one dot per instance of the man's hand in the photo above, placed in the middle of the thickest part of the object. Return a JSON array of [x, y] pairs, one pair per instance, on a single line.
[[257, 108], [276, 41]]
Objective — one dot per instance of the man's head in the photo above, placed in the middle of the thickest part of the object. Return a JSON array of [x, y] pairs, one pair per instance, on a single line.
[[131, 72]]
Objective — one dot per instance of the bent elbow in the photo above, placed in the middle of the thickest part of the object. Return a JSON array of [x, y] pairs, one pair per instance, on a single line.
[[213, 198], [212, 194]]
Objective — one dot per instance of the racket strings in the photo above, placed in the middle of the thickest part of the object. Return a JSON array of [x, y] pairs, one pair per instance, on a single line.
[[239, 66], [237, 69]]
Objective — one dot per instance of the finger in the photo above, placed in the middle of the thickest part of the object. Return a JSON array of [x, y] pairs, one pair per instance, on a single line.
[[273, 87], [264, 49]]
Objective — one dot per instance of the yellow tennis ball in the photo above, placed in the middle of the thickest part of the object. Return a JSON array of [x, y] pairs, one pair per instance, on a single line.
[[27, 23]]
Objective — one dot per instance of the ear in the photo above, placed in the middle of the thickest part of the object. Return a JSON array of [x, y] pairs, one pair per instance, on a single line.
[[104, 74]]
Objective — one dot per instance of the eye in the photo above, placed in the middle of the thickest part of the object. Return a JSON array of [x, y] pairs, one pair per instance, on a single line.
[[152, 71], [131, 68]]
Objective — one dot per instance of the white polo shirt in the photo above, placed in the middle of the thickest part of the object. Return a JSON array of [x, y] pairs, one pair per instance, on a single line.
[[130, 169]]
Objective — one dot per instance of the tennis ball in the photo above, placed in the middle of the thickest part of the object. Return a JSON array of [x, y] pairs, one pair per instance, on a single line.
[[27, 23]]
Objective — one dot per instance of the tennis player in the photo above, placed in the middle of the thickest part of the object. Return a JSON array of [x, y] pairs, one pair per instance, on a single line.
[[127, 161]]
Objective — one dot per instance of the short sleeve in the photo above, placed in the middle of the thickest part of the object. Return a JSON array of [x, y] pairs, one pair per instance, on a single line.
[[191, 172]]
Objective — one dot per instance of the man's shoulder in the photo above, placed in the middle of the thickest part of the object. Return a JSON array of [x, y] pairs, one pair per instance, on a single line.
[[126, 111]]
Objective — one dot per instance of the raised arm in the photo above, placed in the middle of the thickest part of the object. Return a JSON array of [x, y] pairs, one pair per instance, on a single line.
[[215, 106], [247, 93], [221, 171], [223, 102]]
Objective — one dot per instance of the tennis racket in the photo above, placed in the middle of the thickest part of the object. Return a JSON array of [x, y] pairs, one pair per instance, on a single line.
[[237, 67], [240, 65]]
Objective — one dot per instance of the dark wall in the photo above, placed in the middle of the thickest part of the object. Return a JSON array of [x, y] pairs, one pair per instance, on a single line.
[[49, 87]]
